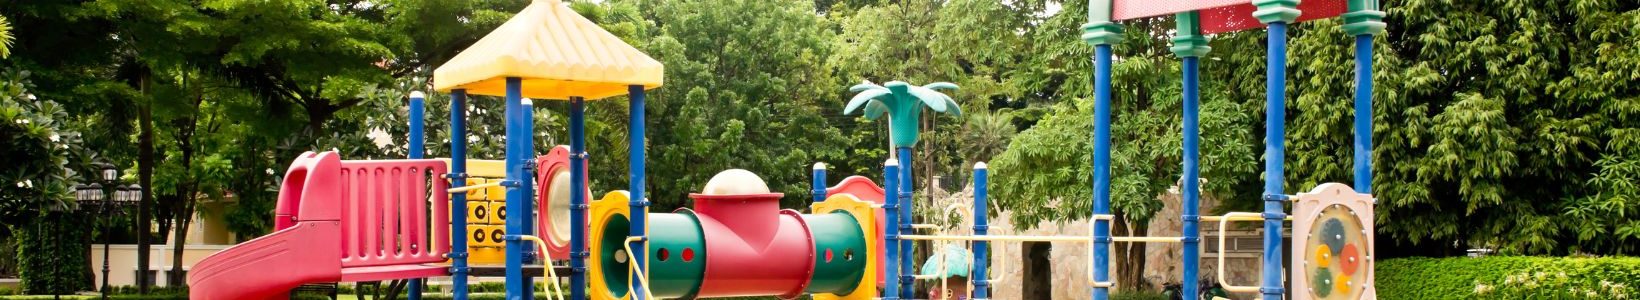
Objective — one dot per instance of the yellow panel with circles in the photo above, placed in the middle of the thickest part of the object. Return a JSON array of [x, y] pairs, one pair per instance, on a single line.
[[486, 212]]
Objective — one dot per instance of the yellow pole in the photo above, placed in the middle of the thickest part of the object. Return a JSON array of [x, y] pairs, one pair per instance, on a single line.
[[475, 187], [552, 275], [996, 238], [643, 278]]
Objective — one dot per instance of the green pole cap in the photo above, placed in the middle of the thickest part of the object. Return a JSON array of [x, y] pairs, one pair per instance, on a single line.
[[1364, 18], [1101, 33], [1188, 40], [1272, 11]]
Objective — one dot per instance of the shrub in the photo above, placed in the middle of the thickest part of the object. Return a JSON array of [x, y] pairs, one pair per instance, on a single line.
[[1509, 278], [51, 255], [1137, 295]]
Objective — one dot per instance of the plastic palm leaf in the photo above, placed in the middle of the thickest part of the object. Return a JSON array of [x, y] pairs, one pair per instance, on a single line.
[[875, 109], [866, 96]]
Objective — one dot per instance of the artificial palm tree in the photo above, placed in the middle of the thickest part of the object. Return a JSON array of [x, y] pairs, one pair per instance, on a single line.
[[903, 102]]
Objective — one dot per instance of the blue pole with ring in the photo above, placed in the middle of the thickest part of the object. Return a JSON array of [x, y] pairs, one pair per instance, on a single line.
[[1275, 14], [458, 201], [907, 247], [639, 205], [578, 201], [1363, 21], [418, 148], [982, 282], [1190, 45], [1100, 32], [518, 190], [891, 232]]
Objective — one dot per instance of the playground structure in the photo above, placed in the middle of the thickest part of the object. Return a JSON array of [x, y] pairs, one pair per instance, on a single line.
[[411, 219]]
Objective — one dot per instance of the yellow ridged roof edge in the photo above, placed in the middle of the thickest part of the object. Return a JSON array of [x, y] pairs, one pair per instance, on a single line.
[[556, 53]]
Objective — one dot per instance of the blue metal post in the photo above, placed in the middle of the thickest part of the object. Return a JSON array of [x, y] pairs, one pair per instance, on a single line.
[[526, 182], [418, 148], [418, 116], [577, 201], [458, 201], [518, 192], [1274, 154], [908, 248], [1363, 113], [818, 187], [638, 205], [1101, 168], [1191, 184], [891, 232], [982, 196]]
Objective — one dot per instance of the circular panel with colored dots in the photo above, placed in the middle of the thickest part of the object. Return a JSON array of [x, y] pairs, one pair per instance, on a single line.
[[1337, 249]]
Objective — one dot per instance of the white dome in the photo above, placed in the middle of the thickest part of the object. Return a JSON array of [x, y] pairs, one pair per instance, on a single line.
[[735, 182]]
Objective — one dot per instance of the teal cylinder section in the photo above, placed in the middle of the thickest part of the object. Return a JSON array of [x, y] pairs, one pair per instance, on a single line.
[[839, 253], [677, 255]]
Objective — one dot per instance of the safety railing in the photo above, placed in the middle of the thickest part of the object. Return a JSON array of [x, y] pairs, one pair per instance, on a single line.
[[393, 213], [1224, 225]]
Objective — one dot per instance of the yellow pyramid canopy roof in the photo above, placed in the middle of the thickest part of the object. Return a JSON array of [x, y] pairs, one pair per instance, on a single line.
[[555, 52]]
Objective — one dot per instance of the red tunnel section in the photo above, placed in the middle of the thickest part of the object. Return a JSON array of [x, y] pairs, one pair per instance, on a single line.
[[759, 248]]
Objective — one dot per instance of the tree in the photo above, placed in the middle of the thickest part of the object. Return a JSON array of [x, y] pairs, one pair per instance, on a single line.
[[746, 88], [5, 37], [44, 150]]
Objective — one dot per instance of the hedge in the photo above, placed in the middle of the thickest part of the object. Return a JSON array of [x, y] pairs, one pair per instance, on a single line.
[[1509, 277], [51, 254]]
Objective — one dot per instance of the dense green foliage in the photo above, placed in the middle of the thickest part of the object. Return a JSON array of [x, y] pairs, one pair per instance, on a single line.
[[36, 201], [40, 138], [51, 256], [1508, 277]]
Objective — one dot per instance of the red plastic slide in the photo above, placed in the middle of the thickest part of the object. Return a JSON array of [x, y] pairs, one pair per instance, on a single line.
[[338, 221]]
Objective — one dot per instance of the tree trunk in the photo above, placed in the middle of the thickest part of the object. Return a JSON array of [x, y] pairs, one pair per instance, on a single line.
[[1130, 257], [175, 277], [145, 178], [183, 213]]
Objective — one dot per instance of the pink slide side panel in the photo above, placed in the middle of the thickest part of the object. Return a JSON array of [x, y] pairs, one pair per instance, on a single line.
[[312, 176], [1134, 9], [393, 212]]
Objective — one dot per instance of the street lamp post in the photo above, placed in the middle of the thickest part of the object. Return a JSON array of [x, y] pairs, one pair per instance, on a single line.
[[107, 195]]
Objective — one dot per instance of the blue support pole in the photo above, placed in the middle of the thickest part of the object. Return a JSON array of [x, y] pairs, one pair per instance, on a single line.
[[418, 116], [907, 247], [417, 149], [891, 232], [526, 183], [458, 201], [818, 187], [1363, 113], [1191, 183], [1274, 154], [982, 197], [518, 192], [638, 205], [1101, 168], [578, 201]]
